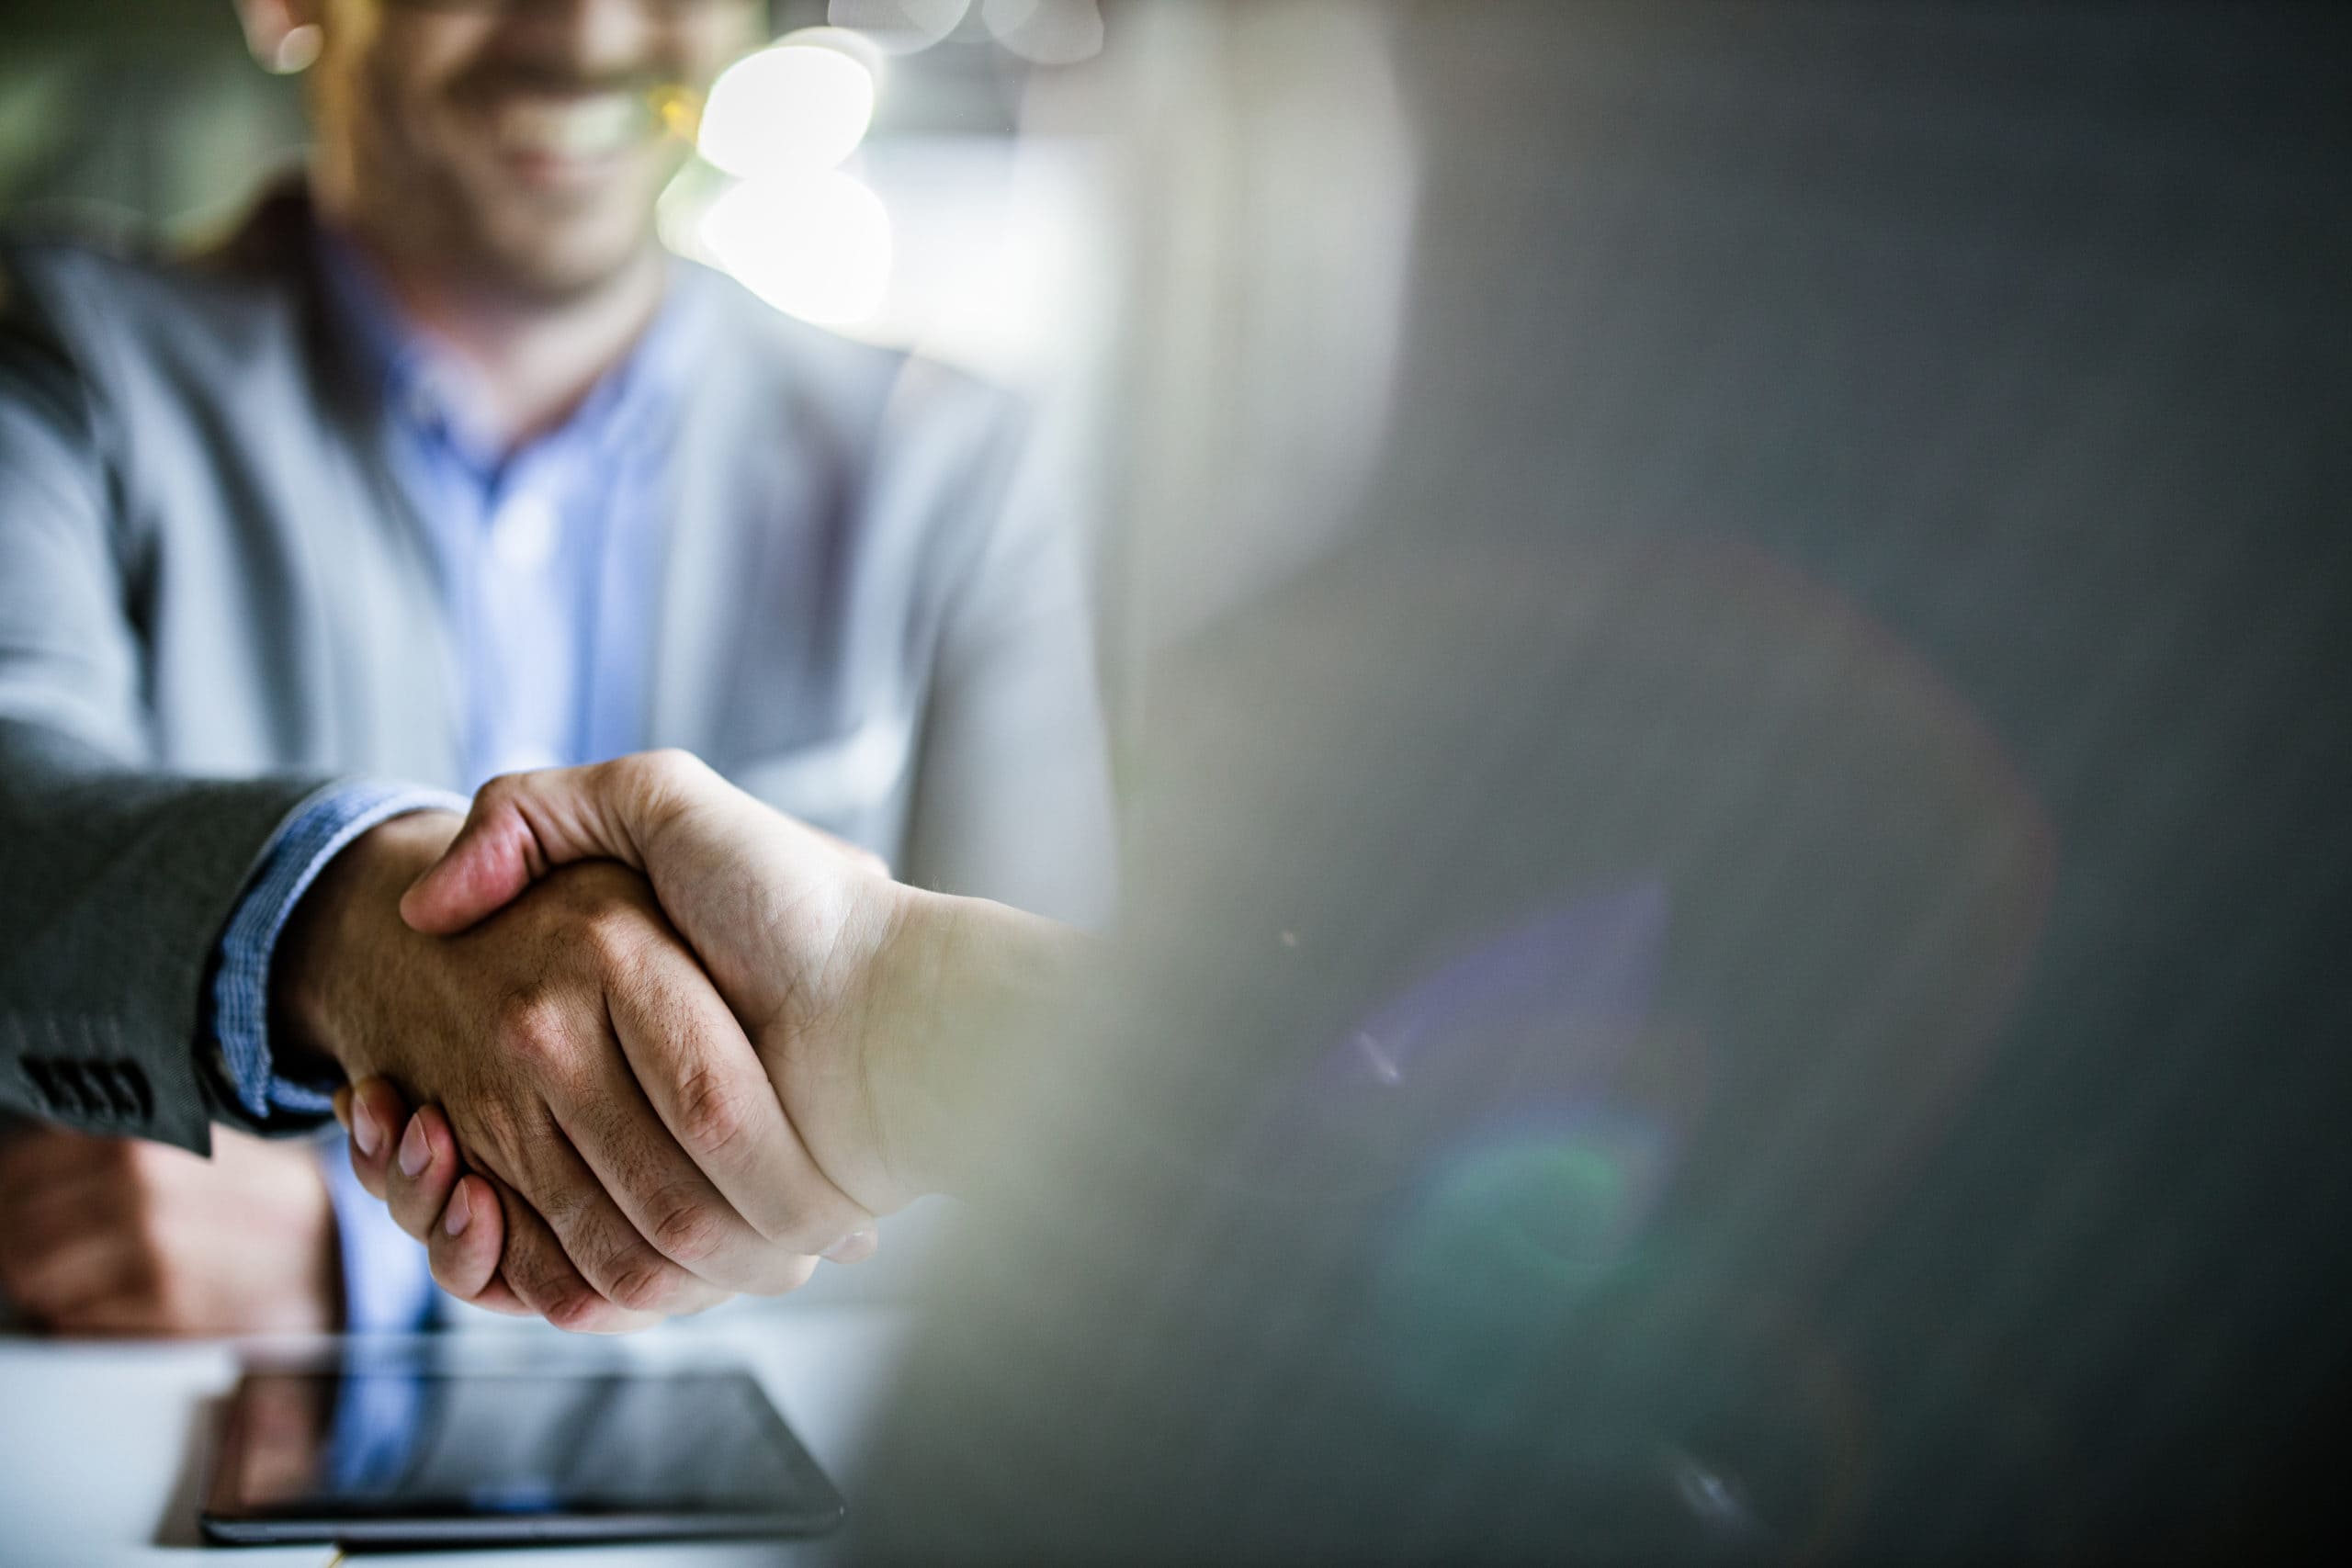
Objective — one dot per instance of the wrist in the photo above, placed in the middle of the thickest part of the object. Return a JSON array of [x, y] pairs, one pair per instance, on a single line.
[[335, 939], [965, 990]]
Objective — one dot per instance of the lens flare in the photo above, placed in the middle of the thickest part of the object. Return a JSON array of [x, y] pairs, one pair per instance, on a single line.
[[800, 106], [814, 245]]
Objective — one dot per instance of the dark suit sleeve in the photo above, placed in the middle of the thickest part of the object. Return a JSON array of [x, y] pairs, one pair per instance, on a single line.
[[116, 878]]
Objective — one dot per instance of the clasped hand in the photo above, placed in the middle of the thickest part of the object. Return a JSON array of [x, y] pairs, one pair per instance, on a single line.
[[647, 1082]]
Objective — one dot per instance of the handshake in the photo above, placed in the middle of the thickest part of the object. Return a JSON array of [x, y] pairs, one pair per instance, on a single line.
[[666, 1044]]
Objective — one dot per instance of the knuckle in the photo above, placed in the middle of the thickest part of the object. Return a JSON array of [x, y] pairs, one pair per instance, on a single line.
[[663, 783], [544, 1283], [713, 1117], [534, 1027], [666, 768], [821, 1219], [687, 1229], [606, 1250], [499, 790], [447, 1272], [796, 1270], [493, 1123], [538, 1286], [616, 937], [575, 1309], [647, 1286], [383, 1100], [569, 1212]]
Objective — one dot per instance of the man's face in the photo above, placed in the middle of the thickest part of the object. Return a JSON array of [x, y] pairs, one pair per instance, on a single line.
[[518, 144]]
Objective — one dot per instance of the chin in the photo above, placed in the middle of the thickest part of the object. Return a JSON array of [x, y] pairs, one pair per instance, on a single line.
[[563, 261]]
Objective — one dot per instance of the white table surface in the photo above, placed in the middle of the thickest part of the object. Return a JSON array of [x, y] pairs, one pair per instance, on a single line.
[[105, 1447]]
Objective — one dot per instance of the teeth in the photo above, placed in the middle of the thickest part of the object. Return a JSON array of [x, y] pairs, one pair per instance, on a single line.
[[572, 128]]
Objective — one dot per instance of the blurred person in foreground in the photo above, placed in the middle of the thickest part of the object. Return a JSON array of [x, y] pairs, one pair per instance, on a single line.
[[1751, 970], [440, 468]]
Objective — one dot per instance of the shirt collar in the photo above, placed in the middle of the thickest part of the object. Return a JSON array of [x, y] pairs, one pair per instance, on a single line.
[[432, 393]]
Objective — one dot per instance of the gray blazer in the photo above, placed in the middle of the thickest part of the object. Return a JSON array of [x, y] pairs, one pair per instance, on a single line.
[[214, 599]]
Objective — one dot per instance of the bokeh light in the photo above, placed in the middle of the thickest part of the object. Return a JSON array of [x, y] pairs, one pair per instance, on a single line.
[[1046, 32], [900, 26], [815, 245], [802, 105]]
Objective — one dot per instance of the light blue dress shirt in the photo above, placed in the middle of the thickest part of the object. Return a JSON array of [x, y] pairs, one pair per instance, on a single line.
[[547, 559]]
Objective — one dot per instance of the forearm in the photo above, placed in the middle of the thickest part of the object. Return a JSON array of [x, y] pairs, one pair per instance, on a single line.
[[971, 994]]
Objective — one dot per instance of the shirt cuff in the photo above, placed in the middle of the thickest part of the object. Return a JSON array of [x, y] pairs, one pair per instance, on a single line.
[[317, 831], [387, 1277]]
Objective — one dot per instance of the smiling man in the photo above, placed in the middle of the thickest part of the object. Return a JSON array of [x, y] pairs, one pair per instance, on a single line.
[[438, 468]]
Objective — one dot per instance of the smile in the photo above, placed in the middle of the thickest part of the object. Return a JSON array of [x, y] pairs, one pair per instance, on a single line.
[[575, 129]]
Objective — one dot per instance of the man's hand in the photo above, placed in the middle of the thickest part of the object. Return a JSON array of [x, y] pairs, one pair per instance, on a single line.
[[119, 1236], [599, 1086], [874, 1006], [797, 930]]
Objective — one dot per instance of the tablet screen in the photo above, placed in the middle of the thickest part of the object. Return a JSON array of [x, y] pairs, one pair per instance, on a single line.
[[418, 1453]]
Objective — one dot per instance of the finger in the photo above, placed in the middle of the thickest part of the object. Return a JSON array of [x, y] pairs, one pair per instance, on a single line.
[[567, 1049], [495, 1297], [540, 1274], [465, 1243], [422, 1173], [378, 1113], [520, 826], [690, 1058], [523, 825], [657, 1189], [607, 1247], [855, 1247]]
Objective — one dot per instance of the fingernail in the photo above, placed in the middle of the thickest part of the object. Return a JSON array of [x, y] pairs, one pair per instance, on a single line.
[[363, 1130], [855, 1247], [457, 1216], [414, 1150]]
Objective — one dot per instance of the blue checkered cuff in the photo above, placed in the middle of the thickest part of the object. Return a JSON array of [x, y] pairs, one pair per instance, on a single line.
[[319, 828]]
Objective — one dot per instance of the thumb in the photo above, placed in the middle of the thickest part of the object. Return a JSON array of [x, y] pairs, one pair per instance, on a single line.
[[522, 826]]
